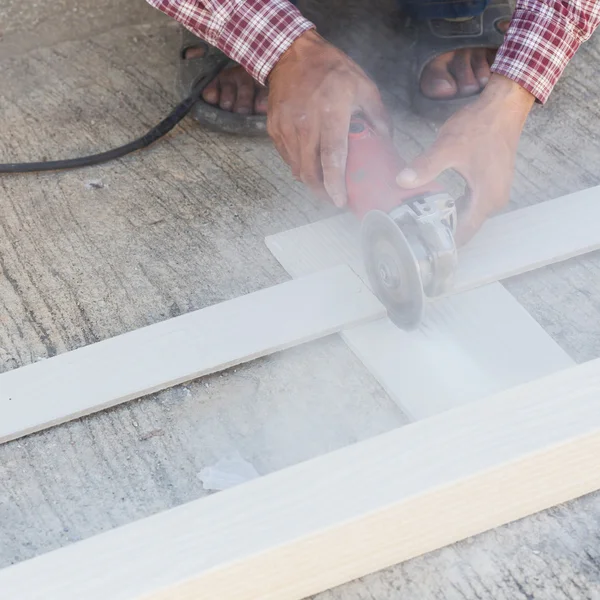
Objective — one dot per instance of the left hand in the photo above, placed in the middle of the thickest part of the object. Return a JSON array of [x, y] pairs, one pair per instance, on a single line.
[[480, 143], [314, 89]]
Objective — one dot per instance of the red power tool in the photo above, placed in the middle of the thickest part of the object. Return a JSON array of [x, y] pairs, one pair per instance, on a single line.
[[407, 235]]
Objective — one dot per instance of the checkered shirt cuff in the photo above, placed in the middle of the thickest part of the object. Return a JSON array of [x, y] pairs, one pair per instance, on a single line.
[[254, 33], [540, 43], [259, 32]]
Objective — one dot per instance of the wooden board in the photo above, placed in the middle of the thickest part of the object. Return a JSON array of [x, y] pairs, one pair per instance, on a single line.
[[140, 362], [507, 245], [348, 513], [469, 345]]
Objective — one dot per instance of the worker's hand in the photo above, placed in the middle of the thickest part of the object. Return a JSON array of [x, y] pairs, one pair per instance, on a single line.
[[480, 143], [314, 89]]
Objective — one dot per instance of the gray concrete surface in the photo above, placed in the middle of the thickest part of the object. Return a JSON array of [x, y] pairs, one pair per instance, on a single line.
[[181, 226]]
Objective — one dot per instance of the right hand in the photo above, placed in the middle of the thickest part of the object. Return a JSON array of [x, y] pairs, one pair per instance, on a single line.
[[314, 89], [480, 143]]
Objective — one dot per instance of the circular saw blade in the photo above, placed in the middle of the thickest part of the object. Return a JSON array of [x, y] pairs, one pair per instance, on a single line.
[[393, 269]]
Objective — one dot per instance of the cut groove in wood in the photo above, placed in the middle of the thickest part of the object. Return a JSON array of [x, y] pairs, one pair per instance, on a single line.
[[343, 515], [469, 345], [507, 245], [153, 358]]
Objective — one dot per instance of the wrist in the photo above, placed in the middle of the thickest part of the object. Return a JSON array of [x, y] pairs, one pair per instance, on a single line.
[[502, 91], [306, 42]]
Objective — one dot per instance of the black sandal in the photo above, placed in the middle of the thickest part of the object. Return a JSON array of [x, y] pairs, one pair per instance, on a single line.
[[191, 70], [437, 36]]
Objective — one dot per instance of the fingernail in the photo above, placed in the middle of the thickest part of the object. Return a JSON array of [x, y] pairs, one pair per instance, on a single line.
[[338, 201], [483, 81], [407, 176]]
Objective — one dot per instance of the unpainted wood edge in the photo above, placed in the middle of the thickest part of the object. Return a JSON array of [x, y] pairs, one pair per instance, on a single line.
[[410, 491]]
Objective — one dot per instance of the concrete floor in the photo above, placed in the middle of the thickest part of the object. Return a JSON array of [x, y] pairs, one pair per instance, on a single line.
[[181, 226]]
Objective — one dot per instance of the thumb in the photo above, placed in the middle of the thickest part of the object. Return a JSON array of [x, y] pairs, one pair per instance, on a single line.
[[425, 168]]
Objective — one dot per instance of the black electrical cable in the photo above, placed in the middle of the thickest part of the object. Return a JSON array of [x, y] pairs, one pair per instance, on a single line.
[[176, 115]]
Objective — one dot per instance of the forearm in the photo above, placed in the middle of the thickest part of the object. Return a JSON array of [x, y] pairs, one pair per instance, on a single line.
[[543, 37], [254, 33]]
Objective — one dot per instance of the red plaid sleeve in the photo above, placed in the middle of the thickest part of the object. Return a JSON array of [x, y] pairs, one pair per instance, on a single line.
[[254, 33], [542, 38]]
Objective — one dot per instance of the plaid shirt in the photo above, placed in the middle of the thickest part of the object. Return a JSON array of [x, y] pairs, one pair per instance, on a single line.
[[542, 38], [254, 33]]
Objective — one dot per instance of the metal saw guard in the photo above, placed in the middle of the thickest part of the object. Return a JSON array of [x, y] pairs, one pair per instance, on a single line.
[[410, 254]]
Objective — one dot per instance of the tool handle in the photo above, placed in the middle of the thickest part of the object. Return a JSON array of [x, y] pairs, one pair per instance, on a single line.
[[372, 166]]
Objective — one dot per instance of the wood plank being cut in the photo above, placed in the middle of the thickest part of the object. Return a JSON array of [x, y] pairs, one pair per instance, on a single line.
[[343, 515], [140, 362], [469, 345], [506, 245]]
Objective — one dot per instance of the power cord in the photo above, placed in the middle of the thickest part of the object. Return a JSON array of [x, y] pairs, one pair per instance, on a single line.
[[176, 115]]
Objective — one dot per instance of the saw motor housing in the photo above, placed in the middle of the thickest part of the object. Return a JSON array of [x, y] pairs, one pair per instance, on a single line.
[[407, 236]]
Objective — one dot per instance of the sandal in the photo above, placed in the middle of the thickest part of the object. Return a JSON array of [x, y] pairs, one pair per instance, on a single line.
[[191, 70], [437, 36]]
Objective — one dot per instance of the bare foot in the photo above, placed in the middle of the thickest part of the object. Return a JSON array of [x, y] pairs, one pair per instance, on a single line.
[[233, 90], [464, 72]]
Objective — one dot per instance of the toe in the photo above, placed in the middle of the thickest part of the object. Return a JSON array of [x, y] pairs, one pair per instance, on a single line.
[[481, 66], [228, 95], [503, 26], [437, 81], [462, 70], [195, 52], [245, 99], [261, 102], [211, 92], [245, 92]]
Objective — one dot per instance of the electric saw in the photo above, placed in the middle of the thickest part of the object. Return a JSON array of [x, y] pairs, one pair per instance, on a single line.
[[407, 236]]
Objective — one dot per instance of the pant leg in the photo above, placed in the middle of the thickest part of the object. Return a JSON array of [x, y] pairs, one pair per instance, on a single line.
[[442, 9], [438, 9]]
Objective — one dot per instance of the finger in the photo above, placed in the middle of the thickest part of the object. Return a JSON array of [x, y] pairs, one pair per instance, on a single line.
[[377, 114], [274, 131], [280, 147], [334, 154], [290, 147], [311, 171], [428, 166]]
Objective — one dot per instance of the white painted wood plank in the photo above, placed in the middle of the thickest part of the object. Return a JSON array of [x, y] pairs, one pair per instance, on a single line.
[[348, 513], [128, 366], [507, 245], [469, 345], [530, 238]]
